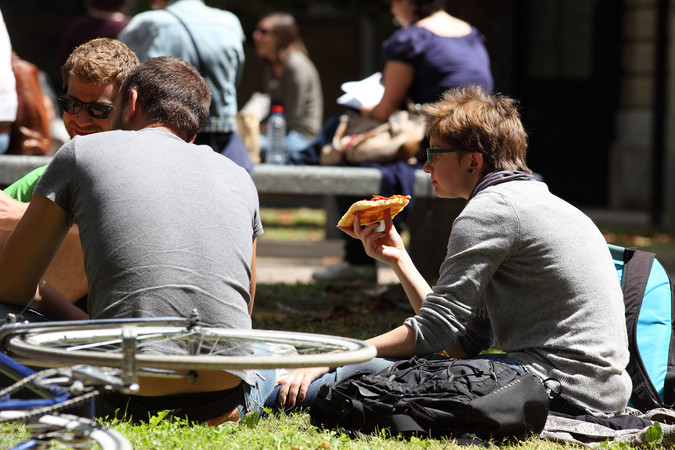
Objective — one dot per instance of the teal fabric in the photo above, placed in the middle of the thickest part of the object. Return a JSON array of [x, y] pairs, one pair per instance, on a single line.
[[654, 326]]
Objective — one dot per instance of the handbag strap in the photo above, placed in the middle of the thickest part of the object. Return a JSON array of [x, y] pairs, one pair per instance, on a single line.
[[200, 61]]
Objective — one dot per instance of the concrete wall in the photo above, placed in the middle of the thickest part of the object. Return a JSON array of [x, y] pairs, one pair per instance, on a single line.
[[631, 155], [669, 213]]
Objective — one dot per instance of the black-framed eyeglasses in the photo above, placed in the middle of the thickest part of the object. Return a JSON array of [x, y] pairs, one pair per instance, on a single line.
[[95, 109], [435, 151]]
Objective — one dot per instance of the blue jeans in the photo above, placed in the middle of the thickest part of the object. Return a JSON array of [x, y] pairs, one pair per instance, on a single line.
[[255, 396]]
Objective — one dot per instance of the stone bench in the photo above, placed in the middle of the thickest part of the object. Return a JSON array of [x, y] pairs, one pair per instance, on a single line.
[[429, 224], [269, 179], [327, 180], [13, 167]]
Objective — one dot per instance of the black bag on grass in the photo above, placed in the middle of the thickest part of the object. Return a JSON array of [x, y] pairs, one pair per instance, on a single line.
[[460, 398]]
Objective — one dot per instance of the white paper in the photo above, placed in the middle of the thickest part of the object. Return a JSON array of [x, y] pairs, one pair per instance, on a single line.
[[258, 104], [366, 92]]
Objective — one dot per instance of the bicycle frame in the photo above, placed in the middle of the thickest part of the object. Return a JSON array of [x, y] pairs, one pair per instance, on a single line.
[[49, 394], [17, 371]]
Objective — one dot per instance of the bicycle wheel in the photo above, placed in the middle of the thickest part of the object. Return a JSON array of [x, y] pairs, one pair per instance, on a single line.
[[62, 431], [204, 348]]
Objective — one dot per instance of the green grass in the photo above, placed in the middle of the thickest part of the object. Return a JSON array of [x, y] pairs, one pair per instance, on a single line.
[[352, 310], [293, 224], [281, 432]]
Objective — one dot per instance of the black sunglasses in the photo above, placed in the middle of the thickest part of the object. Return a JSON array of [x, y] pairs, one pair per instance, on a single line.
[[94, 109]]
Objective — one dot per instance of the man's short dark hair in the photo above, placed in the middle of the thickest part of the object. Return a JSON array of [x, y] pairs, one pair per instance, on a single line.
[[171, 93]]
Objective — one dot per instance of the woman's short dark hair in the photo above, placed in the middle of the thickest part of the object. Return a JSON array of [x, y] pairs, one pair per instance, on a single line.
[[425, 8], [171, 92], [470, 120]]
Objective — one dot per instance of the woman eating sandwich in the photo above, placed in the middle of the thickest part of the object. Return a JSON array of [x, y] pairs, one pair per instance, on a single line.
[[523, 267]]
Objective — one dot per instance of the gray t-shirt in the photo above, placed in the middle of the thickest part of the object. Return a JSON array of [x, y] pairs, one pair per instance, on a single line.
[[549, 288], [166, 227]]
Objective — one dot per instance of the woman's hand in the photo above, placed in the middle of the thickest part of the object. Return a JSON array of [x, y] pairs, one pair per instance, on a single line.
[[385, 246], [294, 384]]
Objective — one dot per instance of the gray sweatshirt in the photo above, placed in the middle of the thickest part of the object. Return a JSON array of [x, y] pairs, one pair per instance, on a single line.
[[542, 272]]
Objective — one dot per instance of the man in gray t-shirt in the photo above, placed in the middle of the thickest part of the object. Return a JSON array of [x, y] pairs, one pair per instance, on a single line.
[[166, 226]]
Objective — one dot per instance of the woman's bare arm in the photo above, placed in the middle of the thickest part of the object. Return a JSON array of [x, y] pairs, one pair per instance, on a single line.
[[397, 78]]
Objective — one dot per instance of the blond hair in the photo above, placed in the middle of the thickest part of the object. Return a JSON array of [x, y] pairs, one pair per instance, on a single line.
[[99, 60]]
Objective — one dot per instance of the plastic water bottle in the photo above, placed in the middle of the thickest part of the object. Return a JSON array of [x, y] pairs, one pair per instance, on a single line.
[[276, 133]]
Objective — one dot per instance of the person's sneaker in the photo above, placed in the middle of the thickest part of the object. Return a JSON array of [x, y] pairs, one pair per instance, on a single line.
[[347, 272]]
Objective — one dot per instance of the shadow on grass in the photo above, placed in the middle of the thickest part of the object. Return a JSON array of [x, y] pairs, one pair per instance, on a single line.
[[353, 310]]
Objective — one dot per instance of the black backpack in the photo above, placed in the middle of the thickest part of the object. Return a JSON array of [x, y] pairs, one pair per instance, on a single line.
[[650, 309], [460, 398]]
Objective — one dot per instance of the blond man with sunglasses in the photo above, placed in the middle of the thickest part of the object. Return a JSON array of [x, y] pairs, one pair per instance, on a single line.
[[92, 75]]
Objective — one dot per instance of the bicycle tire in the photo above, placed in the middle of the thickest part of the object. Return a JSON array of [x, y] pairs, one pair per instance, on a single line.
[[66, 429], [63, 343]]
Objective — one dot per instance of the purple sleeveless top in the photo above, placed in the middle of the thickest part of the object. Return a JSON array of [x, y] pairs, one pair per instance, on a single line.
[[440, 63]]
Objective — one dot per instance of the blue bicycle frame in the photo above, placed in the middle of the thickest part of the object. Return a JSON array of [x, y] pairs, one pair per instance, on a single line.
[[17, 371]]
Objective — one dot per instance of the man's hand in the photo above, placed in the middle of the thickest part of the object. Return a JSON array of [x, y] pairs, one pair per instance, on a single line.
[[294, 384]]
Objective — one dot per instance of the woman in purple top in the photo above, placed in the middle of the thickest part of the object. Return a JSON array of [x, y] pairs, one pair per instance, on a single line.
[[431, 53], [438, 61]]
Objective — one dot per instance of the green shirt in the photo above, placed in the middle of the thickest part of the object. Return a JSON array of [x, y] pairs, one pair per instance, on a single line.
[[22, 190]]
